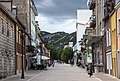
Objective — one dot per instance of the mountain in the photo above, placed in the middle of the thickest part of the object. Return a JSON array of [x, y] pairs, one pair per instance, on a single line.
[[58, 39]]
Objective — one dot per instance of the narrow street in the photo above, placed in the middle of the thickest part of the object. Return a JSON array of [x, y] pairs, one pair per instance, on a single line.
[[61, 72]]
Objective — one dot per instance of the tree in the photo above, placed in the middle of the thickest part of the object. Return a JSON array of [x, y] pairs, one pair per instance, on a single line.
[[59, 54], [49, 46], [55, 54], [67, 54]]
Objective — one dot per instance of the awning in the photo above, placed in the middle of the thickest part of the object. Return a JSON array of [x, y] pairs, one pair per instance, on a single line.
[[93, 39], [39, 57], [44, 57]]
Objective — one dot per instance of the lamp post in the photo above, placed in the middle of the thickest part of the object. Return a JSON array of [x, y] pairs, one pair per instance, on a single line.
[[40, 54], [23, 38]]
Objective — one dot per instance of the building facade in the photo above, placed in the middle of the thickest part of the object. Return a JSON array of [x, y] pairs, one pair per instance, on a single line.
[[33, 14], [107, 10], [81, 24], [7, 42], [117, 7], [113, 39]]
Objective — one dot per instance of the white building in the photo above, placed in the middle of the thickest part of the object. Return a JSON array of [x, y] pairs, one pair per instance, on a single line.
[[69, 45], [81, 24], [33, 13]]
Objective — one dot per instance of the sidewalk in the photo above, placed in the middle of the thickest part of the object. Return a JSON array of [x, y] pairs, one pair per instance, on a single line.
[[105, 77], [28, 75]]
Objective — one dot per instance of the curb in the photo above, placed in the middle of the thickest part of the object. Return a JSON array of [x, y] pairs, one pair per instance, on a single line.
[[107, 75], [9, 77], [112, 76], [19, 75]]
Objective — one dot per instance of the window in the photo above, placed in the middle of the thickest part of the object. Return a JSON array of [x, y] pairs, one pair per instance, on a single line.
[[17, 35], [107, 37], [0, 24], [3, 27], [2, 62], [8, 31], [11, 31], [119, 26]]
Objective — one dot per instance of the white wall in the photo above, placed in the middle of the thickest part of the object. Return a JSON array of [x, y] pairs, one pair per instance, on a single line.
[[33, 23], [70, 44], [82, 17]]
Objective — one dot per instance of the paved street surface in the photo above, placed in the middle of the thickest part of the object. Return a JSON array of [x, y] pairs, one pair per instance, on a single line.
[[61, 72]]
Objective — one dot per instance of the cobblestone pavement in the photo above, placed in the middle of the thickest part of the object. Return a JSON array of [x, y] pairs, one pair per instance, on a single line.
[[61, 72]]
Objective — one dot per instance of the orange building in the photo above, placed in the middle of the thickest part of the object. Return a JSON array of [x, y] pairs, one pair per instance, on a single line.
[[117, 8]]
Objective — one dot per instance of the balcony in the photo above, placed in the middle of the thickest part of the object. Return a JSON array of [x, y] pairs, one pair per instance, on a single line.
[[91, 4], [108, 8], [92, 21], [30, 49]]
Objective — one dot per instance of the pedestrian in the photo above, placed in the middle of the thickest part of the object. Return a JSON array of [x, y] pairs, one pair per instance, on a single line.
[[72, 62], [90, 69], [53, 63]]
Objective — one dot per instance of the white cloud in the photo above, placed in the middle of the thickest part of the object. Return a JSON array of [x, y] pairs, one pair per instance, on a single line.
[[45, 3], [51, 25]]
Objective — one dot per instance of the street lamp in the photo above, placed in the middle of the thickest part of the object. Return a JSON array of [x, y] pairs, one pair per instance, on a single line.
[[23, 38], [40, 54]]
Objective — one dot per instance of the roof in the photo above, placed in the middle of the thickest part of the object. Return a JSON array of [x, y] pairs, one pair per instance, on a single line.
[[34, 8], [8, 12]]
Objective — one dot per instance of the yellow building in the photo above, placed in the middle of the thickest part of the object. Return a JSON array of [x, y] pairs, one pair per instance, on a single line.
[[113, 39]]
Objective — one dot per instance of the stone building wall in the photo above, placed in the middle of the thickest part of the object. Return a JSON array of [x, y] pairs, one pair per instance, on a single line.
[[7, 49]]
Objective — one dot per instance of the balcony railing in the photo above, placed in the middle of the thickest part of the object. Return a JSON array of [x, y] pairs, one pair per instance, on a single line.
[[93, 21], [108, 8], [91, 4]]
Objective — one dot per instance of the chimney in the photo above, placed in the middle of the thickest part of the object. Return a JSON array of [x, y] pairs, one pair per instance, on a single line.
[[14, 10]]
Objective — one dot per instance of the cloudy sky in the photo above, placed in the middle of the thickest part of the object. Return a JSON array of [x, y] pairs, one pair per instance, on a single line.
[[58, 15]]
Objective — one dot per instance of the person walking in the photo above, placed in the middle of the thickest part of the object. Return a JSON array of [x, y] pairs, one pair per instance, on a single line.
[[90, 69], [72, 62]]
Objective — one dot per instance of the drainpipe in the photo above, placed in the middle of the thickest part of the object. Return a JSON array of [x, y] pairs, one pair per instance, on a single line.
[[97, 17], [15, 49], [93, 57]]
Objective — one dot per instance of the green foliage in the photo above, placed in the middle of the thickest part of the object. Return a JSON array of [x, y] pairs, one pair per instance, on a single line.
[[56, 54], [59, 54], [67, 54], [58, 38], [55, 43], [49, 46]]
